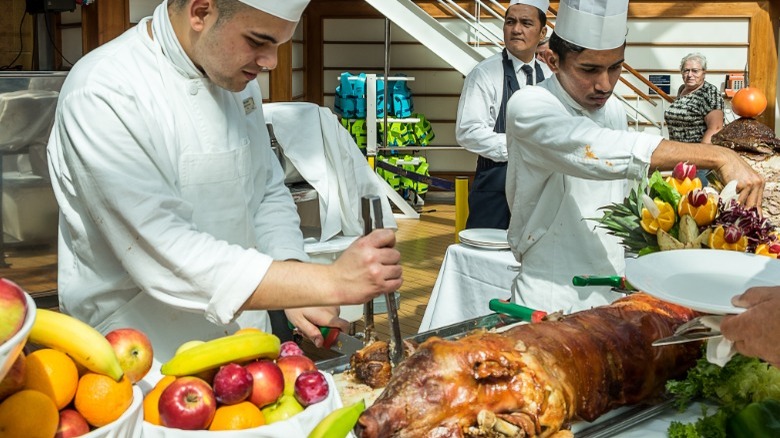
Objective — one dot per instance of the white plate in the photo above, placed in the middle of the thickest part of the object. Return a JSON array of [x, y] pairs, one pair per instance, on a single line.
[[492, 238], [702, 279]]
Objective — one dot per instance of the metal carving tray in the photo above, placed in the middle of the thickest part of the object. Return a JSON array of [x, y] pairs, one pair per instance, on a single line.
[[340, 364]]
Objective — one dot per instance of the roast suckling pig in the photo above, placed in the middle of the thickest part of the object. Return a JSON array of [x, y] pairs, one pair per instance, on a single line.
[[534, 379]]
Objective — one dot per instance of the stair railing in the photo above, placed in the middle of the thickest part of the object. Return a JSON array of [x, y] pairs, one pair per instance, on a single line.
[[474, 22]]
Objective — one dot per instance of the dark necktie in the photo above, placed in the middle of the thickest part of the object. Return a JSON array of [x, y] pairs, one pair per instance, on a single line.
[[529, 74]]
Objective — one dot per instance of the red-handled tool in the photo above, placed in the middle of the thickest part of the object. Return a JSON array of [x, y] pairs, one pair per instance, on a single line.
[[329, 334], [516, 310]]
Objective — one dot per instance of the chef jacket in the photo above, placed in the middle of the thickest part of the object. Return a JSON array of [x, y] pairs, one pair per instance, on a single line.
[[172, 203], [566, 162], [479, 104]]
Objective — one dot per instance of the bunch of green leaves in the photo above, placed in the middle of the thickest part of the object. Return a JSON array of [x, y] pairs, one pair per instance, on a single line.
[[659, 188], [741, 381]]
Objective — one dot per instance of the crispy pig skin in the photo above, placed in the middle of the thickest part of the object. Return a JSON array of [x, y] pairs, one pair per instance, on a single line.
[[540, 377], [749, 136]]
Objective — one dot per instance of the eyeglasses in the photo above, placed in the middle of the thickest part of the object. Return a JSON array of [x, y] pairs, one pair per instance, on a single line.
[[694, 71]]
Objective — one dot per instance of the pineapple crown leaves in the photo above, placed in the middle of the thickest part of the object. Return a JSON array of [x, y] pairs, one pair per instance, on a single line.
[[622, 220]]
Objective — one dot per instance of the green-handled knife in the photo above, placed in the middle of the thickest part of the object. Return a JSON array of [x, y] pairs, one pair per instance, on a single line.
[[616, 281], [516, 310]]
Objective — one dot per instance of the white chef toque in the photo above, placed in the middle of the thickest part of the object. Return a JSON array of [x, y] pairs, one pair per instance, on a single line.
[[289, 10], [542, 5], [593, 24]]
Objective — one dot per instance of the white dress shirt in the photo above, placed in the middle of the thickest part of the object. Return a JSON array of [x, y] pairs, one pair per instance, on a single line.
[[480, 102], [172, 203], [564, 164]]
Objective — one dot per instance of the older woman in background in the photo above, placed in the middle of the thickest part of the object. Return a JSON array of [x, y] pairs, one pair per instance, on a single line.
[[697, 113]]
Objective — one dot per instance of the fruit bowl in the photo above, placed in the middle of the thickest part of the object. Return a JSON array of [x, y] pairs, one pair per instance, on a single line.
[[11, 348], [300, 425], [127, 425]]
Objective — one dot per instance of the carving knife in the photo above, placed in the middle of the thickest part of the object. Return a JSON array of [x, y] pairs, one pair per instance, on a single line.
[[516, 310], [396, 341], [618, 283], [368, 307]]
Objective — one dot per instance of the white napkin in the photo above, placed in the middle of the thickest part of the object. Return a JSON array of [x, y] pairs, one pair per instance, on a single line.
[[719, 350]]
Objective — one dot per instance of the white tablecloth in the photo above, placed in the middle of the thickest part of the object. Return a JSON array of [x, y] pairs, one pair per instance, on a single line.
[[468, 279]]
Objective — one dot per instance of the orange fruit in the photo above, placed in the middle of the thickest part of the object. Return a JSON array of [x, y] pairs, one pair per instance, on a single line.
[[244, 415], [664, 221], [30, 414], [101, 399], [152, 400], [53, 373], [718, 241]]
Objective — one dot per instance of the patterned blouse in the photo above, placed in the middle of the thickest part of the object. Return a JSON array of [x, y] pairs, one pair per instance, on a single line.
[[685, 116]]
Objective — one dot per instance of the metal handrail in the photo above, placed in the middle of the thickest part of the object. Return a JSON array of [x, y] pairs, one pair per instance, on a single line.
[[471, 21], [474, 22]]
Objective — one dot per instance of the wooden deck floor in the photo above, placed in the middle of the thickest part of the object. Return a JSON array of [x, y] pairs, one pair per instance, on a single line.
[[422, 243]]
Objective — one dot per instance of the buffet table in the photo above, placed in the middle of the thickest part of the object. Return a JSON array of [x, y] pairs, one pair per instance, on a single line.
[[468, 279]]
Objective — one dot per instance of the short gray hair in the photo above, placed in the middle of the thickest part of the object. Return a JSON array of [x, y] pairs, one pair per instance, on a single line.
[[696, 56]]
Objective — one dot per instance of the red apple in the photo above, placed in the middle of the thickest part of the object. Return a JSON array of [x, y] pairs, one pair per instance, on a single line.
[[283, 409], [290, 348], [134, 351], [267, 382], [188, 403], [14, 379], [311, 387], [72, 424], [292, 367], [13, 309], [232, 384]]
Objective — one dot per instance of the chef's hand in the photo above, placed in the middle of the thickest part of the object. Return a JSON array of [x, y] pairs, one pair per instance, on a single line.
[[308, 320], [370, 267], [750, 185], [756, 332]]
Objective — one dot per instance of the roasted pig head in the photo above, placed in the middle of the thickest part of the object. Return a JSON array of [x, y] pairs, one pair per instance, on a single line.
[[535, 379]]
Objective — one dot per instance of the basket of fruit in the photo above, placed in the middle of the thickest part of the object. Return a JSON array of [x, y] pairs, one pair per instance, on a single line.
[[70, 381], [247, 384]]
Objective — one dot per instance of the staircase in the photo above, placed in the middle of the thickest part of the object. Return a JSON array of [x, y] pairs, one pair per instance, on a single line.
[[432, 34], [463, 49]]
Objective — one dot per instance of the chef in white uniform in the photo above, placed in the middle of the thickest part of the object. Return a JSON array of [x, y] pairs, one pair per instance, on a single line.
[[570, 152], [174, 218], [481, 119]]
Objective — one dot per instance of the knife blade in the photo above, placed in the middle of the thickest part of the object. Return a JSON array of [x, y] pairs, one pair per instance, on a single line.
[[687, 337], [396, 340], [368, 307]]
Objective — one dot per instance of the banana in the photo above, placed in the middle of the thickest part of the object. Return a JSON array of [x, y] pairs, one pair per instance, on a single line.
[[85, 345], [211, 354], [340, 422]]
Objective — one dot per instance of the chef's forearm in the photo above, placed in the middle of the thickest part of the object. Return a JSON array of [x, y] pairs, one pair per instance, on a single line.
[[669, 153], [290, 284]]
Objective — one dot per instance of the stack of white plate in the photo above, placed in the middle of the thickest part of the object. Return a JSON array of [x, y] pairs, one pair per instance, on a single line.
[[485, 238]]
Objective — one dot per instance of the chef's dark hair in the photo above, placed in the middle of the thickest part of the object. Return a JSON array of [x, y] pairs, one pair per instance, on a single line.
[[562, 47], [542, 16], [226, 8]]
